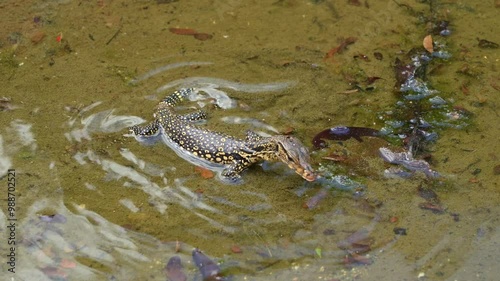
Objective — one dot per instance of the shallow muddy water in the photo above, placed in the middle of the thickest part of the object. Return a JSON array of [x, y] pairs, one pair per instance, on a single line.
[[88, 202]]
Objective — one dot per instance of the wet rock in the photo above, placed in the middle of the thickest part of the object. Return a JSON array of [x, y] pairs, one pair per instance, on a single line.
[[209, 270], [174, 270]]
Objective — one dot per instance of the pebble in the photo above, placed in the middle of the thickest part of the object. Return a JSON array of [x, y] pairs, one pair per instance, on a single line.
[[236, 249], [399, 231], [37, 37]]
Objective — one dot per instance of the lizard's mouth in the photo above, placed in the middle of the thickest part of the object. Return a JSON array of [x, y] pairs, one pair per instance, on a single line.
[[307, 174], [293, 153]]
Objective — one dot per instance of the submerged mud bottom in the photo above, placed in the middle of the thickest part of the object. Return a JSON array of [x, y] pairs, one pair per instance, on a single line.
[[93, 205]]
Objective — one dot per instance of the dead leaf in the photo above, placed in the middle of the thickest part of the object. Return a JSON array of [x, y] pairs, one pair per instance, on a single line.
[[428, 44], [205, 173], [202, 36]]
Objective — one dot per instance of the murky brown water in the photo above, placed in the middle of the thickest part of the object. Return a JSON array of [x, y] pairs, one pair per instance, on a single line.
[[128, 208]]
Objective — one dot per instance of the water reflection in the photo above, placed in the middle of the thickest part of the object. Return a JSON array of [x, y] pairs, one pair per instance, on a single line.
[[248, 214], [255, 231], [79, 244]]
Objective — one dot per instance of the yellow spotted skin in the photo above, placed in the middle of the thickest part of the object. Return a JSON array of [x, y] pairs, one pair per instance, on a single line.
[[233, 153]]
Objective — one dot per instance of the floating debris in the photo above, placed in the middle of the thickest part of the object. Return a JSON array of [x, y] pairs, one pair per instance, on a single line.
[[485, 44], [318, 251], [436, 208], [343, 133], [441, 28], [415, 119], [428, 44], [399, 231], [406, 160], [341, 182], [332, 178], [340, 48], [394, 172], [422, 110]]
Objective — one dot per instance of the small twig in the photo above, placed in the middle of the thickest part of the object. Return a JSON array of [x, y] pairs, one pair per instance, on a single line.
[[116, 33]]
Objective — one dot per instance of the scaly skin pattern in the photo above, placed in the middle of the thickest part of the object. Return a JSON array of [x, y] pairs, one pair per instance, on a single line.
[[234, 154]]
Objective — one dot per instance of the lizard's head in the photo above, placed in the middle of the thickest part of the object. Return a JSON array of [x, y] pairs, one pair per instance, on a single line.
[[293, 153]]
